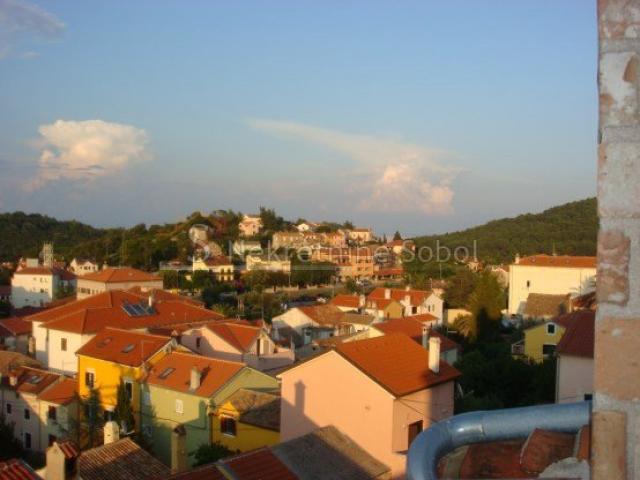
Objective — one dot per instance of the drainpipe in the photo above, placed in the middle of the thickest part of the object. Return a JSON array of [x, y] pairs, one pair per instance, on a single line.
[[489, 426]]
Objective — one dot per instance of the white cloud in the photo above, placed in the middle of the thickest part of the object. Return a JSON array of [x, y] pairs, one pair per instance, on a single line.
[[21, 21], [85, 150], [392, 175]]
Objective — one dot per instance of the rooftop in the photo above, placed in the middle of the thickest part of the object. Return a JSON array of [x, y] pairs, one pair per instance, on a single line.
[[60, 393], [123, 347], [16, 469], [238, 335], [349, 301], [260, 464], [33, 380], [416, 297], [13, 326], [121, 275], [541, 305], [412, 327], [579, 338], [565, 261], [11, 360], [261, 409]]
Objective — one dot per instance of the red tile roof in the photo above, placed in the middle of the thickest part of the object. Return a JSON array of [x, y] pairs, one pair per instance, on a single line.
[[413, 328], [123, 347], [60, 393], [396, 362], [16, 469], [350, 301], [416, 297], [259, 464], [543, 448], [206, 472], [323, 314], [579, 338], [215, 373], [69, 448], [121, 275], [33, 380], [14, 326], [34, 271], [92, 314], [239, 336], [218, 261], [565, 261]]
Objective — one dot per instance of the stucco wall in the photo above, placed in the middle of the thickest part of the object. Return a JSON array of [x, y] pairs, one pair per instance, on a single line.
[[574, 378], [536, 337]]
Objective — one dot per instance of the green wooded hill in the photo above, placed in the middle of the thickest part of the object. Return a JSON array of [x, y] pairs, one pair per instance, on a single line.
[[570, 228]]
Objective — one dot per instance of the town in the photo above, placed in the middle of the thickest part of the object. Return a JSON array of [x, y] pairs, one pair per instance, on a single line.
[[232, 360]]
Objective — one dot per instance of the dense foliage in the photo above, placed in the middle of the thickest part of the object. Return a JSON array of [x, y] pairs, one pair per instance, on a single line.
[[210, 453]]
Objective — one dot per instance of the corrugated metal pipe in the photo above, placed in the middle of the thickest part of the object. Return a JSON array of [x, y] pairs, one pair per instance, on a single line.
[[489, 426]]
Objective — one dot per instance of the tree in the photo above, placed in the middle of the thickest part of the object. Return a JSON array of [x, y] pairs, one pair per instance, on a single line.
[[397, 236], [210, 453], [11, 446], [201, 279], [351, 286], [460, 287], [87, 429], [348, 224], [124, 410], [485, 305]]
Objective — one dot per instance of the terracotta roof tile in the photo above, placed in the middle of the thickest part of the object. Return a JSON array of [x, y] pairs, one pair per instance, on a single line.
[[14, 326], [416, 297], [349, 301], [565, 261], [579, 338], [215, 373], [206, 472], [237, 335], [121, 275], [261, 409], [60, 393], [543, 448], [107, 309], [33, 380], [259, 464], [16, 469], [396, 362], [323, 314], [123, 347], [413, 328], [10, 360], [546, 305], [121, 460]]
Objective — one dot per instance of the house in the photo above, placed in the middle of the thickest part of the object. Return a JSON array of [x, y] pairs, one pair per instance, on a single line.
[[551, 275], [116, 279], [360, 235], [61, 331], [540, 341], [270, 263], [306, 227], [385, 390], [115, 356], [352, 263], [181, 391], [544, 306], [14, 334], [382, 308], [221, 267], [387, 273], [574, 377], [36, 285], [16, 468], [348, 303], [245, 247], [324, 453], [247, 420], [10, 360], [39, 403], [250, 225], [238, 342], [420, 330], [398, 247], [319, 321], [82, 266], [414, 302]]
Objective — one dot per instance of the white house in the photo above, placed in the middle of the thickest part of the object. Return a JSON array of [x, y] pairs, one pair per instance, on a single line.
[[550, 275], [82, 266], [35, 285], [250, 225], [415, 302], [574, 377], [220, 266], [116, 279], [269, 263]]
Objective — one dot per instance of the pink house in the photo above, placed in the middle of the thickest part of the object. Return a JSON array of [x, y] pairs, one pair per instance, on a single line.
[[381, 392], [238, 342]]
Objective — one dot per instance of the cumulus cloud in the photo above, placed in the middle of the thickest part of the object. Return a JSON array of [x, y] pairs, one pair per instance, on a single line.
[[85, 150], [21, 21], [394, 175]]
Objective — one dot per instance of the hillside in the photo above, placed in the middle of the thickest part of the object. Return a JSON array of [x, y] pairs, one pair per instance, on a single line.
[[570, 228]]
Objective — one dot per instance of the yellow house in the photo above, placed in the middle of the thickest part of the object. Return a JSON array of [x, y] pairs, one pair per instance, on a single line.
[[114, 355], [540, 341], [247, 420]]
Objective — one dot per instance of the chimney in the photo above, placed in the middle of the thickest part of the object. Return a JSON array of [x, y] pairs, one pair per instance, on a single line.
[[407, 299], [111, 432], [194, 380], [178, 449], [517, 261], [434, 354], [425, 337], [152, 299], [56, 463], [387, 293], [407, 288], [361, 301], [13, 379]]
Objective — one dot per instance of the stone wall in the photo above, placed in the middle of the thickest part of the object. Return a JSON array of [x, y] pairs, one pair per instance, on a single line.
[[616, 419]]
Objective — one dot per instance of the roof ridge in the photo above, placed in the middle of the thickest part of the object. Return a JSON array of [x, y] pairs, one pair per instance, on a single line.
[[202, 357]]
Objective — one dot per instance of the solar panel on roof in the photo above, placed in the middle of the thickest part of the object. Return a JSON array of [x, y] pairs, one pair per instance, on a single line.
[[166, 372]]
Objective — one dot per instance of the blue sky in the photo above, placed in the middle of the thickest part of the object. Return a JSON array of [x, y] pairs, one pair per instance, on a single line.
[[419, 116]]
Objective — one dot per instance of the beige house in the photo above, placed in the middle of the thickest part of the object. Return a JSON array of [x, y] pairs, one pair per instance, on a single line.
[[381, 392], [360, 235], [250, 225], [82, 266], [238, 342], [269, 263], [574, 377], [40, 404], [220, 266], [549, 275], [352, 263], [414, 302], [116, 279]]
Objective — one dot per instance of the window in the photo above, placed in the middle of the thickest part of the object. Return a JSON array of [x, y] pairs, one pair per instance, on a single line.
[[198, 342], [548, 349], [528, 283], [89, 379], [179, 406], [63, 344], [27, 440], [588, 397], [414, 310], [52, 413], [27, 414], [128, 386], [413, 431], [228, 426], [9, 407], [551, 328]]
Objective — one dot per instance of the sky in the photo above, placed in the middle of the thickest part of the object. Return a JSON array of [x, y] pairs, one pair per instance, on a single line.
[[423, 116]]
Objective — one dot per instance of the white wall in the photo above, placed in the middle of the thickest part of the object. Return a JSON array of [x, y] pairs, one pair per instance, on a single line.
[[548, 280], [32, 290], [574, 378], [49, 353], [86, 288]]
